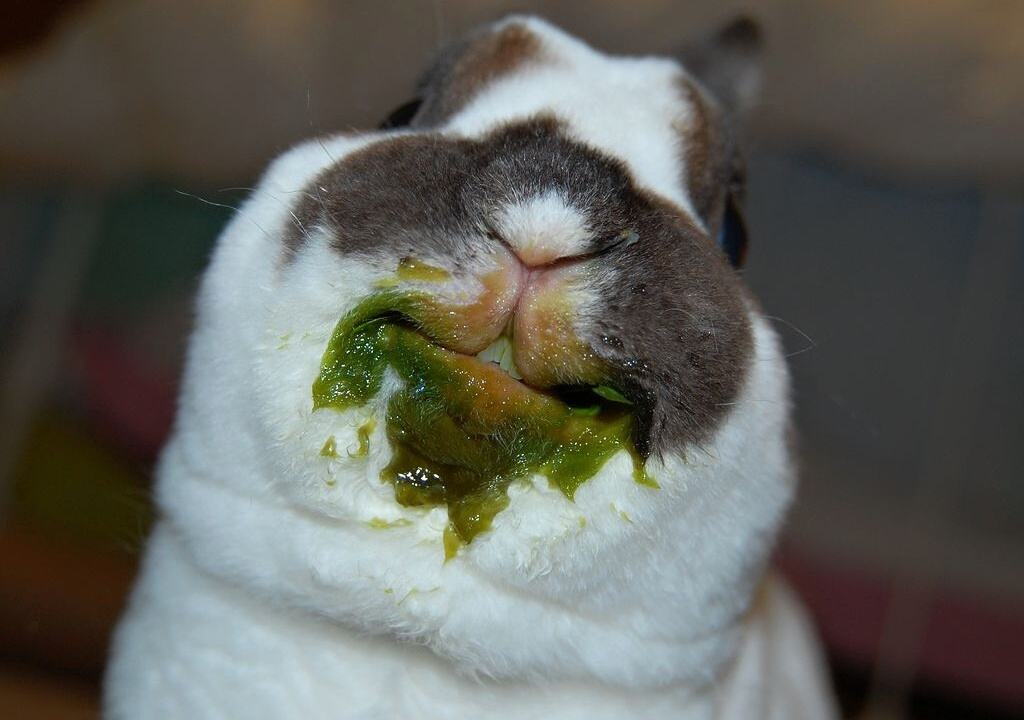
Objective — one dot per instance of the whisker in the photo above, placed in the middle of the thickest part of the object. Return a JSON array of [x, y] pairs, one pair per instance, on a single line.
[[748, 400], [207, 202], [314, 129], [811, 344], [223, 205], [801, 351]]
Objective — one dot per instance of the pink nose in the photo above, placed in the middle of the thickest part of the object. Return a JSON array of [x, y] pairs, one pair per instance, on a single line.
[[539, 254]]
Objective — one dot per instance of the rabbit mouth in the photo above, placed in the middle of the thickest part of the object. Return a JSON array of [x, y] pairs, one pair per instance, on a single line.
[[463, 427]]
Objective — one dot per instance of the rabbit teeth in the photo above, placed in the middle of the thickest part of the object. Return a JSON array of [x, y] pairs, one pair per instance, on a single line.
[[499, 352]]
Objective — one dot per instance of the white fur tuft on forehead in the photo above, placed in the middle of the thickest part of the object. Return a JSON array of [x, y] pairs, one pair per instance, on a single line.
[[629, 108], [543, 228]]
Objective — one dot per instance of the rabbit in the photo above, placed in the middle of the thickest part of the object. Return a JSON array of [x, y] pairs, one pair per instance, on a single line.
[[479, 419]]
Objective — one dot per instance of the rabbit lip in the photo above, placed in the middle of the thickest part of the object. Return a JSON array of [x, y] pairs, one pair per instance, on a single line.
[[522, 318]]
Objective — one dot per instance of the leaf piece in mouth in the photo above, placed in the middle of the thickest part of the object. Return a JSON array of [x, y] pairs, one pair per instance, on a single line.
[[462, 429], [610, 393]]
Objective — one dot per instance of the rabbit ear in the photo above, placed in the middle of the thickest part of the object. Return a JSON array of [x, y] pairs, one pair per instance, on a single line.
[[464, 69], [729, 63]]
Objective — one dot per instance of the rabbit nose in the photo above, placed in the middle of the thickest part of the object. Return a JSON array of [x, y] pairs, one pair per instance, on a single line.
[[539, 253], [543, 229]]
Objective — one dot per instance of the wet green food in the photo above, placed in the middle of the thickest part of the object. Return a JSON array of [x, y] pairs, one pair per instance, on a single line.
[[461, 429]]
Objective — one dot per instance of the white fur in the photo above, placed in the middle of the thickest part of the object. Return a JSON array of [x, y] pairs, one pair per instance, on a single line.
[[269, 592]]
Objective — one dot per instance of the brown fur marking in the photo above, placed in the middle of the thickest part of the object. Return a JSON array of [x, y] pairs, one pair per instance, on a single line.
[[475, 66]]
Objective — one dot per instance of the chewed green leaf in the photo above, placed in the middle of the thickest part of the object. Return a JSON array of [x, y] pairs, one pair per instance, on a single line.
[[462, 430], [610, 393]]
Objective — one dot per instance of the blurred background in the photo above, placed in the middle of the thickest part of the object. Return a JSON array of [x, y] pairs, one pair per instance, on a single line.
[[886, 203]]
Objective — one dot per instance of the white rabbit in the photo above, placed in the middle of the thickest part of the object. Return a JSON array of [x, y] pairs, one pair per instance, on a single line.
[[479, 421]]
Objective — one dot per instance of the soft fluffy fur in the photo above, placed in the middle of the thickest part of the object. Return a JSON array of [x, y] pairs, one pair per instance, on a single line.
[[269, 589]]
